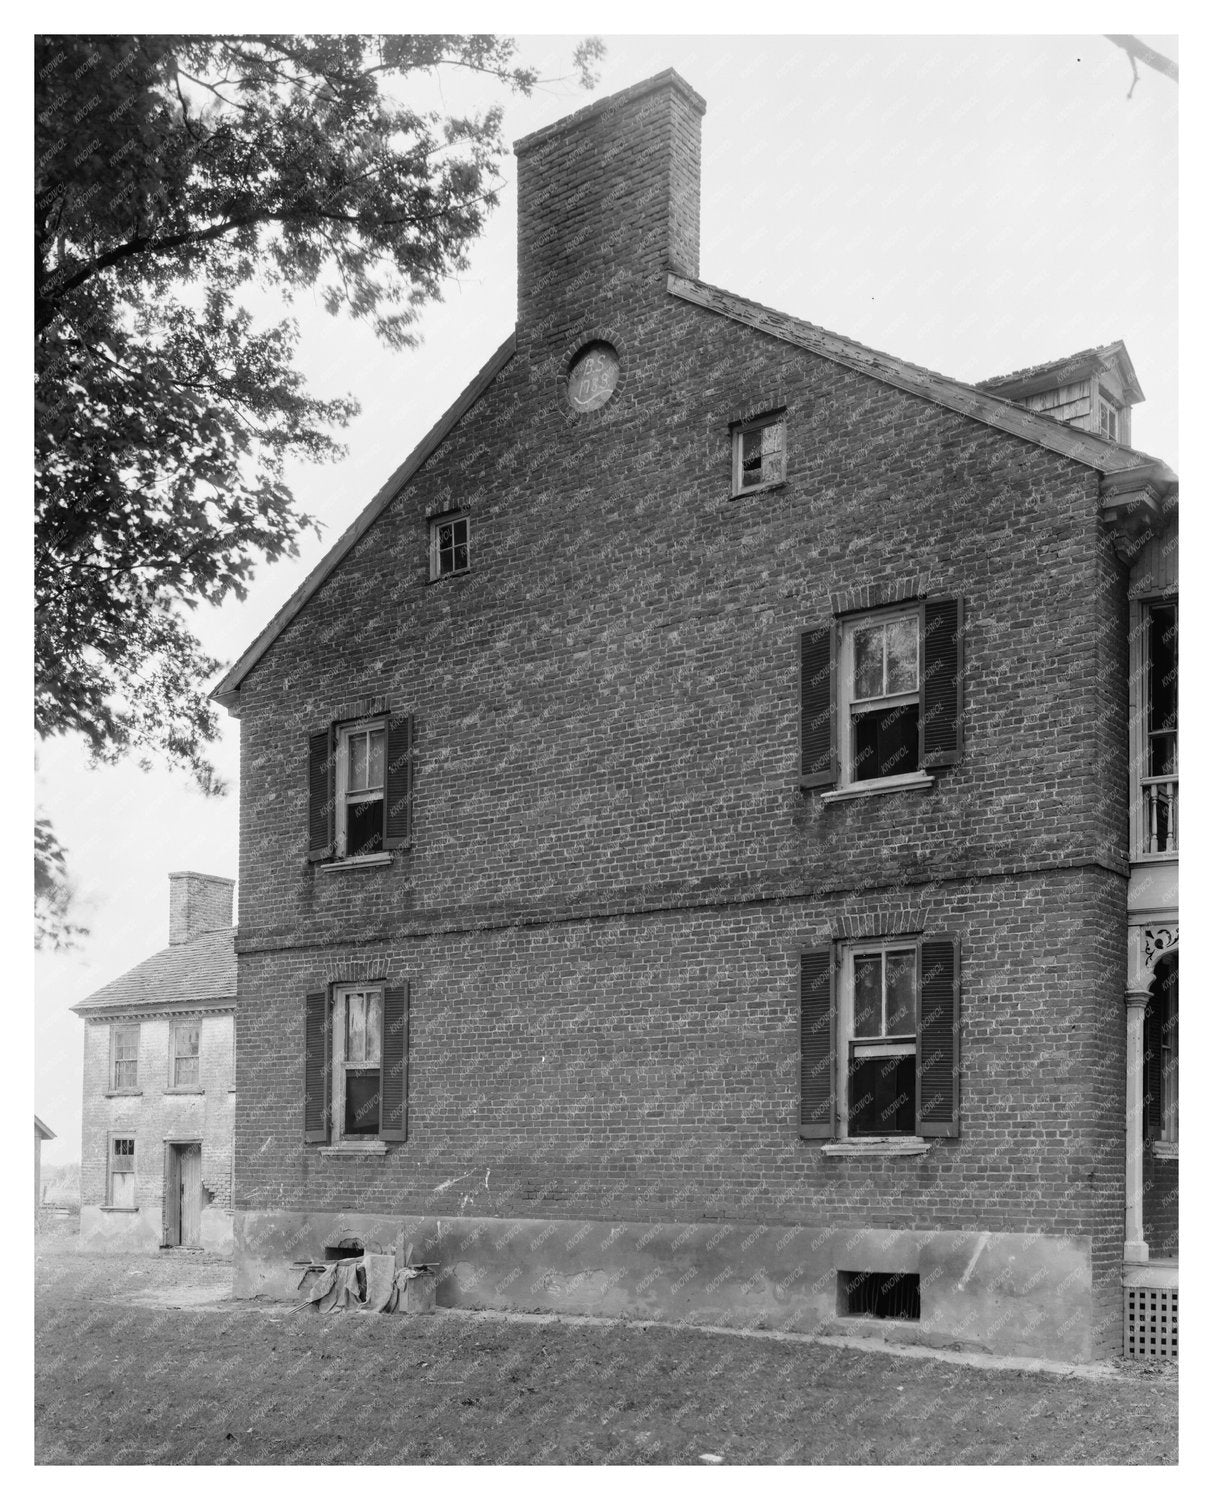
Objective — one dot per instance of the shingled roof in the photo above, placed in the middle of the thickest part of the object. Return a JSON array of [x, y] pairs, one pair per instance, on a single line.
[[202, 971]]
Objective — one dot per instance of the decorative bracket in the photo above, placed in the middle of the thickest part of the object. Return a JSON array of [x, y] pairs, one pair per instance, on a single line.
[[1155, 942]]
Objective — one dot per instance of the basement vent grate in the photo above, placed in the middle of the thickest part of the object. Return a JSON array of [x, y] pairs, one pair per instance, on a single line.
[[879, 1294], [1151, 1322]]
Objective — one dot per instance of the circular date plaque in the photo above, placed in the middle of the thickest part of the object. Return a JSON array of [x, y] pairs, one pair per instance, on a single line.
[[593, 377]]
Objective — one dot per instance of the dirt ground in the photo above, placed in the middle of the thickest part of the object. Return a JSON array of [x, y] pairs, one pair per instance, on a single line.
[[146, 1360]]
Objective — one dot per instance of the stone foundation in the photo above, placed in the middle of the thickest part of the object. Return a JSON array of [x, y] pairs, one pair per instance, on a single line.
[[1018, 1294]]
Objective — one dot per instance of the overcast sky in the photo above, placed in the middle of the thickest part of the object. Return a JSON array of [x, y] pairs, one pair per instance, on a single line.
[[971, 204]]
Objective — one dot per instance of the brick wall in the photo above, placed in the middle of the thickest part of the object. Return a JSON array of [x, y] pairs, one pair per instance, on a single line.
[[613, 866]]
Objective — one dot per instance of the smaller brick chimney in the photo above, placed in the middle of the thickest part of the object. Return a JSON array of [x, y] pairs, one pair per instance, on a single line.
[[198, 904]]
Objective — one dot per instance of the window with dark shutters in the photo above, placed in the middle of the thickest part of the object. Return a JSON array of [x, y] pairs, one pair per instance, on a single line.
[[316, 1068], [818, 649], [817, 1043], [320, 794], [938, 1112], [941, 724], [398, 798], [394, 1064]]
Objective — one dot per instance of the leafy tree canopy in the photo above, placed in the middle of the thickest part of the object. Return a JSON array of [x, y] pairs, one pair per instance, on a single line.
[[171, 172]]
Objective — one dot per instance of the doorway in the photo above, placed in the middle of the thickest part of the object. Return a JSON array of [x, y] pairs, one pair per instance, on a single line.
[[183, 1195]]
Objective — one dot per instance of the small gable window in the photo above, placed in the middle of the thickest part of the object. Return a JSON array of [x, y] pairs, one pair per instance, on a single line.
[[1108, 424], [759, 453], [449, 546]]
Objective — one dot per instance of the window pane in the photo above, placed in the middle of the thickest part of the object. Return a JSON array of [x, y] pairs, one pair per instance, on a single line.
[[751, 456], [357, 782], [460, 557], [355, 1028], [885, 742], [446, 537], [901, 637], [901, 982], [362, 1102], [881, 1095], [374, 773], [186, 1038], [374, 1025], [364, 827], [869, 661], [1164, 663], [867, 995], [185, 1073]]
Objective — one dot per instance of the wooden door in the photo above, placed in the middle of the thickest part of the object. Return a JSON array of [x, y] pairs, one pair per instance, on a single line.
[[191, 1195], [172, 1196]]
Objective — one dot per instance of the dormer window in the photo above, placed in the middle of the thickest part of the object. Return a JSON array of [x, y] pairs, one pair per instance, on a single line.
[[1109, 424]]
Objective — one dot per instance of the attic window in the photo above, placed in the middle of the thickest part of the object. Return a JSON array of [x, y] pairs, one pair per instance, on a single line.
[[449, 546], [759, 453], [1108, 420]]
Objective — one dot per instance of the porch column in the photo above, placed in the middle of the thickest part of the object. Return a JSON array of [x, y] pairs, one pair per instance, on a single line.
[[1136, 1248]]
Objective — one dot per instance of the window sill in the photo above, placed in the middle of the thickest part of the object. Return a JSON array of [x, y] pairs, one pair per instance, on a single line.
[[124, 1093], [110, 1208], [360, 862], [442, 577], [355, 1148], [1168, 856], [759, 489], [1165, 1150], [919, 781], [901, 1145], [190, 1090]]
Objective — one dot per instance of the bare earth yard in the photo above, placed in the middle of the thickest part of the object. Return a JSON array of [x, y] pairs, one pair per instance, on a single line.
[[125, 1376]]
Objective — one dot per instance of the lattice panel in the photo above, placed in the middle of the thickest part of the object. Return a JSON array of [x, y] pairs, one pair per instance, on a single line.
[[1151, 1322]]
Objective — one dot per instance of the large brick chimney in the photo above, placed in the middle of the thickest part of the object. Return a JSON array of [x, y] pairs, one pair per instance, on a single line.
[[608, 205], [197, 904]]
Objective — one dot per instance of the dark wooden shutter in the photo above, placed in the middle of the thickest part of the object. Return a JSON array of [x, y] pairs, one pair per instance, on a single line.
[[398, 782], [941, 720], [320, 794], [818, 1027], [818, 737], [938, 1104], [1151, 1080], [394, 1065], [316, 1068]]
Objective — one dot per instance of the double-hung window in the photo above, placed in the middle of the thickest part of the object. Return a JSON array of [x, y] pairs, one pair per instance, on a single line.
[[880, 701], [880, 1039], [356, 1064], [357, 1053], [882, 696], [879, 993], [124, 1058], [360, 788], [360, 766], [186, 1060]]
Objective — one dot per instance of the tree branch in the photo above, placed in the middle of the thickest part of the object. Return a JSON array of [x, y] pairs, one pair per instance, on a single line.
[[1137, 51]]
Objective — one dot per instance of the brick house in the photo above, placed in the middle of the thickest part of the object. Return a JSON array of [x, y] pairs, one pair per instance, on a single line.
[[159, 1086], [683, 819]]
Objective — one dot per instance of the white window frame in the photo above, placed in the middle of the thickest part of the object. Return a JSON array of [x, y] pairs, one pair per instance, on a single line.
[[341, 1064], [115, 1086], [112, 1137], [1109, 419], [776, 420], [345, 795], [1139, 749], [449, 518], [847, 700], [898, 1046], [179, 1025]]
